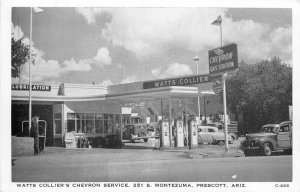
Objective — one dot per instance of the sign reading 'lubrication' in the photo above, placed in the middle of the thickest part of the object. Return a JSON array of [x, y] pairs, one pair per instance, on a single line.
[[25, 87], [223, 59], [180, 81]]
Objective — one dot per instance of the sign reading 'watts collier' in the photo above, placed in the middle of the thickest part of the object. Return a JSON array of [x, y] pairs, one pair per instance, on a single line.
[[182, 81], [223, 59]]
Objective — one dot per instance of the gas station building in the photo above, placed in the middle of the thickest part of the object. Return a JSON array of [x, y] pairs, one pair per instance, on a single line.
[[95, 110]]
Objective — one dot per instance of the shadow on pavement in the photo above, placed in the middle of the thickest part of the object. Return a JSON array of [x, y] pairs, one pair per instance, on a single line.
[[274, 153], [136, 147]]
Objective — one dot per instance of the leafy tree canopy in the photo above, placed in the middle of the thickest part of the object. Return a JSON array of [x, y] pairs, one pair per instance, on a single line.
[[19, 56], [260, 93]]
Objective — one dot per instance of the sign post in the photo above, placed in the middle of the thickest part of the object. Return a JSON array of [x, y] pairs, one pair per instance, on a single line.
[[221, 60]]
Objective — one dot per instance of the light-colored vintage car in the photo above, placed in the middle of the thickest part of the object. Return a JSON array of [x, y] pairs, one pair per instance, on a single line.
[[212, 135]]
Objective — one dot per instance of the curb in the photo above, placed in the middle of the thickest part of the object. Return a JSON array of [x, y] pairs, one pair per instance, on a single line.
[[208, 154]]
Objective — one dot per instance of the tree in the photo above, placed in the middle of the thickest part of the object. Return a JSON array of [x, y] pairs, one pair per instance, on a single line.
[[19, 56], [260, 93]]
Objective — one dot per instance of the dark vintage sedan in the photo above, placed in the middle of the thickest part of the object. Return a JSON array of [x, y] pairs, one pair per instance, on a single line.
[[134, 132], [273, 137]]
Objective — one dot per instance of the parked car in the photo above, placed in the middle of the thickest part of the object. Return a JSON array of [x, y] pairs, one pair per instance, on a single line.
[[232, 128], [211, 134], [134, 132], [272, 137], [152, 132], [216, 124]]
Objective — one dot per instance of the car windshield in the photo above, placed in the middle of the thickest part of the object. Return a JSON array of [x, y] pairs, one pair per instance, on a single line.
[[268, 129], [211, 130]]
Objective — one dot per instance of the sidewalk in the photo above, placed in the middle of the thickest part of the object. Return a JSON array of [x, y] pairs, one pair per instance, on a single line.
[[208, 151], [141, 151]]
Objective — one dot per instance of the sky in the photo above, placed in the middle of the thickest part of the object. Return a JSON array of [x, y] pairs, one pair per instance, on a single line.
[[120, 45]]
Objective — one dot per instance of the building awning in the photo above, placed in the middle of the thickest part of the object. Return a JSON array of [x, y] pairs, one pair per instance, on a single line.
[[178, 92]]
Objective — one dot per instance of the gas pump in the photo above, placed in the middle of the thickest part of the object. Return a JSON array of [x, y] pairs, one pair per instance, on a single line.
[[193, 135], [179, 133], [165, 139]]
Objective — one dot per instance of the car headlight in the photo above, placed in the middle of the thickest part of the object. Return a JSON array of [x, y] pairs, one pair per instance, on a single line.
[[254, 142]]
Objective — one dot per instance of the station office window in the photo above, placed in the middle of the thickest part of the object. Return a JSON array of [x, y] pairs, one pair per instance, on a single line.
[[71, 121], [93, 123], [117, 123], [57, 124], [99, 122], [89, 123]]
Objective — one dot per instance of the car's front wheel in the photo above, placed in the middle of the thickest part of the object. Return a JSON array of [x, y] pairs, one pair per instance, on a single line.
[[267, 149], [221, 142], [145, 140]]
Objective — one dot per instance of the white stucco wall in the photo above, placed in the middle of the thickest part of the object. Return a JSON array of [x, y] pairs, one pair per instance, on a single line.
[[83, 90]]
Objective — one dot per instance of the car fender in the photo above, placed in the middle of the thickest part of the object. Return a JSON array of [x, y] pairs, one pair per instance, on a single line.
[[262, 141], [233, 135], [218, 137]]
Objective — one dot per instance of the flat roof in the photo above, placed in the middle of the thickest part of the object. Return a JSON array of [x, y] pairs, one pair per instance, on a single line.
[[122, 92], [156, 93]]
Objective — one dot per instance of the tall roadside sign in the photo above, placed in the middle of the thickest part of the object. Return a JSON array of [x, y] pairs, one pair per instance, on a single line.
[[222, 60]]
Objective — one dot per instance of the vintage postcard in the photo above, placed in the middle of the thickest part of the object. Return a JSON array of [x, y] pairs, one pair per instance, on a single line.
[[149, 96]]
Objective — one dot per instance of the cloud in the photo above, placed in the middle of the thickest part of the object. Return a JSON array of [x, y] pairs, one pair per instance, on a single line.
[[175, 69], [129, 79], [48, 69], [156, 72], [103, 56], [148, 31], [16, 32], [72, 65], [44, 70], [106, 83], [89, 14], [259, 41]]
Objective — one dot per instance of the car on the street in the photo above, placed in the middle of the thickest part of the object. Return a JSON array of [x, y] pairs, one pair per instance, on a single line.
[[271, 138], [134, 132], [212, 135]]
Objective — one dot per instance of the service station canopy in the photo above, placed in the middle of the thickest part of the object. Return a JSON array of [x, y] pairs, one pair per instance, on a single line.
[[178, 88]]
